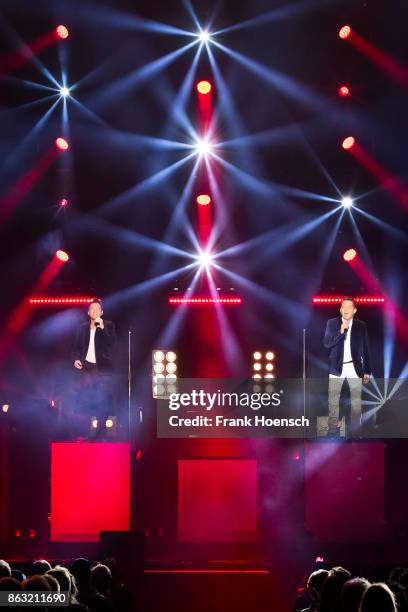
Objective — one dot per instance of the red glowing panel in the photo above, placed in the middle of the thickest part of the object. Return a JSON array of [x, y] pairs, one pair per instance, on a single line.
[[344, 91], [348, 142], [354, 476], [204, 300], [217, 500], [350, 254], [345, 31], [61, 144], [90, 490], [62, 32], [204, 87], [62, 255], [332, 299], [60, 300], [203, 199]]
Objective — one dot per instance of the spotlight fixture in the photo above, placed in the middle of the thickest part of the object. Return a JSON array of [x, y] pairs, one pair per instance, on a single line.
[[94, 423], [344, 91], [62, 255], [63, 202], [348, 142], [203, 147], [347, 202], [64, 91], [349, 255], [203, 199], [164, 373], [62, 31], [204, 87], [205, 259], [61, 144], [204, 36], [344, 32], [5, 408], [263, 365]]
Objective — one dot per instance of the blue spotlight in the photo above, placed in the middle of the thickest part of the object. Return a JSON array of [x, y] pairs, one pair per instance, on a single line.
[[205, 259], [204, 36], [64, 91], [347, 202]]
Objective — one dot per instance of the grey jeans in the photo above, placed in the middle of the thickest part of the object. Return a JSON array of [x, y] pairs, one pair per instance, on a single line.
[[335, 386]]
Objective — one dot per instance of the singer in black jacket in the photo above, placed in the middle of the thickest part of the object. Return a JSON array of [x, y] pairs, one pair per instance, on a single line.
[[346, 338], [92, 357]]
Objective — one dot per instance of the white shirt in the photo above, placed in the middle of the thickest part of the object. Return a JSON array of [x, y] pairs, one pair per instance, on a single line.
[[90, 356], [347, 348]]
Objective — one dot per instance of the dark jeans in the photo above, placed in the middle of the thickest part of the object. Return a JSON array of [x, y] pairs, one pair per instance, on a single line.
[[95, 396]]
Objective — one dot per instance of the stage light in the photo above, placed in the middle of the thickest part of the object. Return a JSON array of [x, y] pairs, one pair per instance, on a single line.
[[203, 301], [262, 365], [32, 533], [18, 533], [205, 259], [345, 32], [203, 147], [203, 199], [60, 300], [164, 373], [348, 142], [109, 423], [336, 299], [349, 255], [347, 202], [63, 202], [64, 91], [62, 255], [5, 408], [204, 36], [94, 423], [62, 31], [61, 144], [344, 91], [204, 87]]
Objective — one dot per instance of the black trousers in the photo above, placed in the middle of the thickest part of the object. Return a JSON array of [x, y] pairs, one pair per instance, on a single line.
[[95, 396]]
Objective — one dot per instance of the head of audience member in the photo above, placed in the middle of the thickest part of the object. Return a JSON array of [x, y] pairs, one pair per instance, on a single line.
[[396, 573], [65, 580], [352, 592], [378, 597], [315, 583], [101, 579], [10, 584], [5, 569], [53, 582], [37, 583], [39, 567], [400, 594], [81, 570], [18, 575], [330, 595], [403, 578]]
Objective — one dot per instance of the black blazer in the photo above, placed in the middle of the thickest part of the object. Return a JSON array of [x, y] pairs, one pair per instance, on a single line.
[[105, 340], [334, 341]]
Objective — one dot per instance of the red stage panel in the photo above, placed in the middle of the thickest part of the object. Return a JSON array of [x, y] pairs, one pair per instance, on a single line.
[[90, 490], [345, 491], [217, 500]]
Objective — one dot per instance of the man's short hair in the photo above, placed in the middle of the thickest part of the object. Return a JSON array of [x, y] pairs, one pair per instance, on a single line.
[[348, 298], [95, 301]]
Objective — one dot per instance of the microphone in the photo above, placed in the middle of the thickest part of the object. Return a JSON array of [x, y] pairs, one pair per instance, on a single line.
[[97, 323]]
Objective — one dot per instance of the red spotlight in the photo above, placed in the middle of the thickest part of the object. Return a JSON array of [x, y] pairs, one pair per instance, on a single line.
[[349, 255], [348, 142], [204, 87], [203, 199], [344, 91], [296, 456], [345, 31], [17, 533], [32, 533], [63, 202], [62, 255], [62, 32], [61, 144]]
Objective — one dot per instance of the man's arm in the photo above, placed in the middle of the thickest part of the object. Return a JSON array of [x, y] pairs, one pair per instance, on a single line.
[[366, 353], [108, 333], [332, 338]]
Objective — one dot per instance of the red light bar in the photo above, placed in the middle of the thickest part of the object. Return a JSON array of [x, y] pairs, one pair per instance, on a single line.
[[334, 299], [204, 300], [60, 300]]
